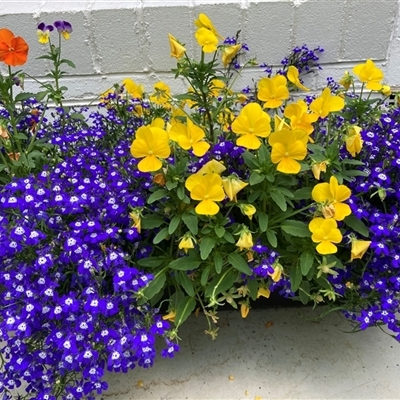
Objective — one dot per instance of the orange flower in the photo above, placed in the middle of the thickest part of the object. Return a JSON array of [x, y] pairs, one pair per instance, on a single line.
[[13, 49]]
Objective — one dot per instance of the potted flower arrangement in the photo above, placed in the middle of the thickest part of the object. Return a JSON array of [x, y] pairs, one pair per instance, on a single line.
[[119, 222]]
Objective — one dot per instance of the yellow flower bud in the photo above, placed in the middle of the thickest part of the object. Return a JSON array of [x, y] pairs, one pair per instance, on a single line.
[[277, 274], [353, 140], [136, 217], [229, 53], [317, 168], [248, 209], [170, 316], [186, 243], [358, 248], [346, 80], [244, 310], [177, 50], [232, 186], [386, 90], [245, 240], [264, 292]]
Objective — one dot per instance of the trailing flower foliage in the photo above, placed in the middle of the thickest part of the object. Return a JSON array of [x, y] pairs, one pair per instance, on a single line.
[[184, 201]]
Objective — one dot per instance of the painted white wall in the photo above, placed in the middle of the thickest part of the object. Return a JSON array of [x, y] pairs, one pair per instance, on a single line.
[[113, 40]]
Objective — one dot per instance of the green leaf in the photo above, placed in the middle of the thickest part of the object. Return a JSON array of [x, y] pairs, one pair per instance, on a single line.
[[250, 160], [20, 136], [271, 236], [254, 196], [186, 283], [174, 223], [204, 275], [263, 154], [185, 264], [68, 62], [77, 116], [304, 297], [218, 262], [24, 96], [206, 246], [306, 262], [221, 283], [262, 221], [170, 185], [295, 277], [192, 222], [252, 285], [356, 224], [219, 231], [296, 228], [279, 199], [151, 221], [239, 263], [180, 192], [302, 194], [229, 238], [155, 286], [157, 195], [184, 309], [256, 178], [163, 234], [151, 262]]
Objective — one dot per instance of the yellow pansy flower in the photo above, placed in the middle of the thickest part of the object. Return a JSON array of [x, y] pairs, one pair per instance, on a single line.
[[299, 117], [151, 144], [204, 22], [370, 74], [190, 136], [293, 76], [287, 148], [232, 186], [207, 40], [208, 190], [162, 94], [326, 103], [273, 91], [353, 140], [212, 167], [333, 194], [251, 123], [177, 50], [135, 90], [325, 232]]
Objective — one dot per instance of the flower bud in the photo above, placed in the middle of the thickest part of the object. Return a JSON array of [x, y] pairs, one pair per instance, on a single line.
[[358, 248], [248, 209], [232, 186], [245, 240], [186, 243]]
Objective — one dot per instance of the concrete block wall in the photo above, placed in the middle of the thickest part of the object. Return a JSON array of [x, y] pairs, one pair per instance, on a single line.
[[113, 40]]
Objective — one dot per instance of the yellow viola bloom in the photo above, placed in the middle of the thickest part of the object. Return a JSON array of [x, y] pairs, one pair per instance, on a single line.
[[186, 243], [287, 148], [245, 240], [135, 90], [358, 248], [293, 76], [273, 91], [353, 140], [386, 90], [151, 144], [170, 316], [264, 292], [251, 123], [248, 209], [325, 232], [370, 74], [232, 186], [190, 136], [204, 22], [299, 117], [333, 194], [177, 50], [208, 190], [207, 40], [326, 103], [216, 86], [229, 53], [162, 94]]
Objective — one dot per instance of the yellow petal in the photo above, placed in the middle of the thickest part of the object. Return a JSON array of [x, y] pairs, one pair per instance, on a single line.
[[149, 164], [207, 207]]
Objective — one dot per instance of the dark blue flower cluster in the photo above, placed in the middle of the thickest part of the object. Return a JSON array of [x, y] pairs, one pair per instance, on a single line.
[[376, 201], [71, 299]]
